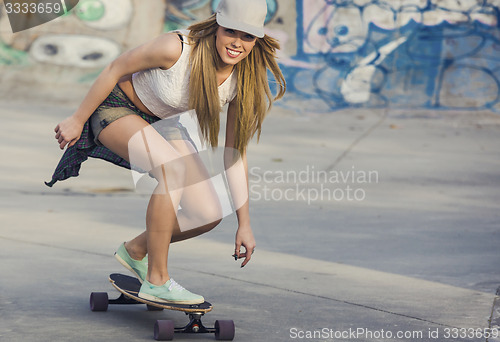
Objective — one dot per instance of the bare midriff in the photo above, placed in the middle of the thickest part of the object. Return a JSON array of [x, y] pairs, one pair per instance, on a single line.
[[125, 83]]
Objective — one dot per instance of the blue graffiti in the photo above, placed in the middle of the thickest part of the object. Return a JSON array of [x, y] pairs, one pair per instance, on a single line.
[[179, 15], [378, 55]]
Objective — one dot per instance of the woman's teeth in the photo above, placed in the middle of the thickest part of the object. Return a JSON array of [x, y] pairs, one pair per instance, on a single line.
[[233, 53]]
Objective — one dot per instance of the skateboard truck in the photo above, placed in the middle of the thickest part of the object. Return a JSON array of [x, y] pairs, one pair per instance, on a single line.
[[164, 329], [195, 325]]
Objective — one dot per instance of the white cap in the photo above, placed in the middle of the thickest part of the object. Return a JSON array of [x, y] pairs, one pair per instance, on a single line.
[[243, 15]]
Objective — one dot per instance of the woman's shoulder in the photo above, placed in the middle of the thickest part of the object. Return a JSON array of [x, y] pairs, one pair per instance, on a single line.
[[171, 48]]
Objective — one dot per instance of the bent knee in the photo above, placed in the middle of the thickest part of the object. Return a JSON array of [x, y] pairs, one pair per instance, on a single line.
[[208, 227], [211, 213], [202, 214]]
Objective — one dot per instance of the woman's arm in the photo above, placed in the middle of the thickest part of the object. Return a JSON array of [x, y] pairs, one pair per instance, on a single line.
[[163, 51], [237, 174]]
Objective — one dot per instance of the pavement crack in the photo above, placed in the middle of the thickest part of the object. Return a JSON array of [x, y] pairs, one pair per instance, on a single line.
[[357, 141]]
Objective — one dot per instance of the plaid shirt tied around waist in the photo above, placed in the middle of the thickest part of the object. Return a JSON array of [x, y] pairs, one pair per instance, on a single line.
[[74, 156]]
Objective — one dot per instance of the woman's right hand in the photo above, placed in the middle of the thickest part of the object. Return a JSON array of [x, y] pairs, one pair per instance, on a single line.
[[68, 131]]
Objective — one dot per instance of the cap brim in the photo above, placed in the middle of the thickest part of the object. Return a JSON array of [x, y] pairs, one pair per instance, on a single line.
[[239, 26]]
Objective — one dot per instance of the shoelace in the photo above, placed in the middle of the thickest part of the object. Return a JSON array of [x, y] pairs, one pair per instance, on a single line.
[[174, 284]]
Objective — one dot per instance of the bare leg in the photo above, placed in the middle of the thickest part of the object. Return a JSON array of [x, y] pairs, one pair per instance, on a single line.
[[137, 248], [161, 217], [160, 220]]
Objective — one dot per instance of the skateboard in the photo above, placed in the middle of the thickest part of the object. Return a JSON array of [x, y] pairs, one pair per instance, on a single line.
[[163, 329]]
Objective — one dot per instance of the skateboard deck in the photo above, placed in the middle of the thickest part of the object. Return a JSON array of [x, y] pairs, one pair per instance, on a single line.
[[130, 286]]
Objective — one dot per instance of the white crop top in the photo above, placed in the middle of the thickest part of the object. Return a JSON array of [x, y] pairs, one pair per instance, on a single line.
[[166, 92]]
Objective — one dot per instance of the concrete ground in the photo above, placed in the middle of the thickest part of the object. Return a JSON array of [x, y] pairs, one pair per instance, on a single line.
[[407, 250]]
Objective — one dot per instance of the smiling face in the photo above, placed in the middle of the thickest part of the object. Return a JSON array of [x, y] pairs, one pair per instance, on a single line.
[[232, 45]]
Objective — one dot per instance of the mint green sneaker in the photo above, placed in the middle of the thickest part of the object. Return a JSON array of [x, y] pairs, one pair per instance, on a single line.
[[138, 268], [170, 292]]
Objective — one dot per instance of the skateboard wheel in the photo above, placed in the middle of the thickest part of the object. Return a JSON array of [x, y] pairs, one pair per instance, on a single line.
[[224, 330], [164, 330], [153, 308], [99, 301]]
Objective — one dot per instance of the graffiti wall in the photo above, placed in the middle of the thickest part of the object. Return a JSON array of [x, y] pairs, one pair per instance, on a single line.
[[407, 54], [91, 35], [435, 54], [75, 47]]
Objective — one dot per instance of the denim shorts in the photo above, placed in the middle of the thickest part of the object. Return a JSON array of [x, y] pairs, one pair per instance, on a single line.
[[118, 105]]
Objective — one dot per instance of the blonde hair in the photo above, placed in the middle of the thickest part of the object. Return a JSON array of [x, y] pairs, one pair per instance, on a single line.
[[253, 84]]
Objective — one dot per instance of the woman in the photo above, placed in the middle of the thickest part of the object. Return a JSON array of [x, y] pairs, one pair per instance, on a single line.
[[223, 59]]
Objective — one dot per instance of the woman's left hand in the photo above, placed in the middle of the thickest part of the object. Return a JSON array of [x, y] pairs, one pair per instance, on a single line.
[[244, 237]]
